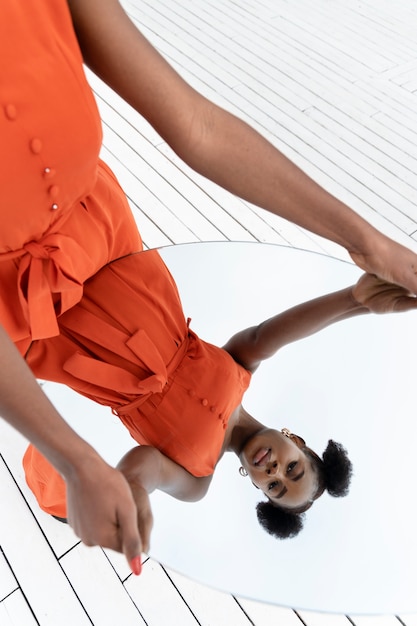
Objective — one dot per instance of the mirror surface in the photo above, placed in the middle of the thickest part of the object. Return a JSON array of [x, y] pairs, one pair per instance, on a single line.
[[352, 382]]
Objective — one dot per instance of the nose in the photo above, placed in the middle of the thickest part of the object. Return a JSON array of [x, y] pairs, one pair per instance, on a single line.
[[272, 468]]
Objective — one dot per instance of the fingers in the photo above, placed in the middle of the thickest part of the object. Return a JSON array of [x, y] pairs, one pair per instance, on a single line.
[[391, 261], [135, 530], [102, 511], [406, 303], [131, 541], [145, 525]]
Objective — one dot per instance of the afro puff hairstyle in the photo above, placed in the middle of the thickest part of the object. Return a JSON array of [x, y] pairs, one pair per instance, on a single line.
[[334, 473]]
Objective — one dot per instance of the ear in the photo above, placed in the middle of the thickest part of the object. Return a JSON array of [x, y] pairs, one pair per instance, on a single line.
[[299, 441]]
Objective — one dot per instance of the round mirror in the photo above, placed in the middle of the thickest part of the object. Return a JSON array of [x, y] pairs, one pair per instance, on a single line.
[[353, 382]]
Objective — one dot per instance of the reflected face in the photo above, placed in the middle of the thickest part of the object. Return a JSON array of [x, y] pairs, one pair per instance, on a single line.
[[278, 467]]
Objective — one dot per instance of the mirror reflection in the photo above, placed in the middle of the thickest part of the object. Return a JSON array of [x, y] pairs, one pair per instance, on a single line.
[[350, 383]]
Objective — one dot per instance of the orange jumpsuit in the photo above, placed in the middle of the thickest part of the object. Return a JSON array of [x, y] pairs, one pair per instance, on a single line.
[[111, 329]]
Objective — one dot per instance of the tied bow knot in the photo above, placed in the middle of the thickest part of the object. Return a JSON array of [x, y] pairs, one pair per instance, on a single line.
[[46, 281]]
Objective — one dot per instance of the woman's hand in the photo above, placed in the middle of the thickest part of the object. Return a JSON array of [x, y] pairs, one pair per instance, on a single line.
[[392, 262], [102, 510], [379, 296]]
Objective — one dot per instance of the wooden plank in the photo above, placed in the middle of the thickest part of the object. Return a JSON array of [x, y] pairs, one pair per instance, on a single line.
[[406, 620], [35, 567], [99, 588], [375, 620], [158, 599], [261, 613], [212, 607], [8, 582], [323, 619], [15, 611], [60, 536], [119, 563], [153, 234]]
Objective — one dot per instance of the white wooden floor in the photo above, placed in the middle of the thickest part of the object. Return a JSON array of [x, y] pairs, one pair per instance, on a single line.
[[333, 84]]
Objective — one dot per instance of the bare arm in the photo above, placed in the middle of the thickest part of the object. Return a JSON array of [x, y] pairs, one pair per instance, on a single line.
[[222, 147], [146, 469], [153, 470], [370, 295], [100, 504]]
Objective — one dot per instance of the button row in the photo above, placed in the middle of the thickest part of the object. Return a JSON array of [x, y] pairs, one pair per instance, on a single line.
[[205, 402], [35, 146]]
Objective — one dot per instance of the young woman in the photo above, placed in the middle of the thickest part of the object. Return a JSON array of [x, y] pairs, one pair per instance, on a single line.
[[181, 398], [63, 215]]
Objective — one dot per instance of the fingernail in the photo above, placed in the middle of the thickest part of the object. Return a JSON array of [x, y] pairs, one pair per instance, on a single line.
[[136, 565]]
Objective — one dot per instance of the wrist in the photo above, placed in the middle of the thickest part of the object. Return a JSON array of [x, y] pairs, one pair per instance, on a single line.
[[356, 305], [77, 459]]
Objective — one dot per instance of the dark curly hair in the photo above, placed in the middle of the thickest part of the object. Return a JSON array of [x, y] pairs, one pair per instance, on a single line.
[[334, 473]]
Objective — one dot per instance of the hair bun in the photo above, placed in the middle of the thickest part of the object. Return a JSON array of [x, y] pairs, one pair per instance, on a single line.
[[278, 522], [337, 469]]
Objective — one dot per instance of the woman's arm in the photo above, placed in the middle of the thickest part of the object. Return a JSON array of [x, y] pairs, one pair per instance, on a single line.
[[101, 509], [222, 147], [153, 470], [147, 469], [370, 295]]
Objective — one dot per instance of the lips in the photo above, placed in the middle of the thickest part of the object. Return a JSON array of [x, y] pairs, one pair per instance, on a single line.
[[261, 457]]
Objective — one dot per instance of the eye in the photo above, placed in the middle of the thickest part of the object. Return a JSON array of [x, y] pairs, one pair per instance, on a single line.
[[291, 466], [272, 485]]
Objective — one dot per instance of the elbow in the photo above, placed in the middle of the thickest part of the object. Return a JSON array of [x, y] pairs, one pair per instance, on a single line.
[[198, 491]]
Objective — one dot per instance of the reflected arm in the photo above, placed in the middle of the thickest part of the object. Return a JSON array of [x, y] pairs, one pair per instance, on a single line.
[[253, 345], [148, 467], [220, 146], [369, 295]]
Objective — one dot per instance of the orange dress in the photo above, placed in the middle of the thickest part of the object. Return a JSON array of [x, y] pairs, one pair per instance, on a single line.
[[63, 214], [120, 337], [135, 352]]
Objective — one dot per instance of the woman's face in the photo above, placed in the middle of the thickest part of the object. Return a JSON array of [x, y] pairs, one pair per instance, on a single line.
[[278, 467]]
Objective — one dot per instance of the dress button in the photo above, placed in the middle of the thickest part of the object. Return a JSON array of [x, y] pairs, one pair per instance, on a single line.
[[224, 425], [35, 145], [54, 206], [10, 112], [191, 393], [49, 172], [53, 191], [204, 402], [212, 409]]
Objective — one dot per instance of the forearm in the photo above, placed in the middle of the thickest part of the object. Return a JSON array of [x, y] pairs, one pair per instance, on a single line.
[[307, 319], [24, 405], [253, 345], [235, 156]]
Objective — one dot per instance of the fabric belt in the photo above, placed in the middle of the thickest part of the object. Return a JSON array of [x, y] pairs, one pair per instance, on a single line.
[[137, 348], [45, 275]]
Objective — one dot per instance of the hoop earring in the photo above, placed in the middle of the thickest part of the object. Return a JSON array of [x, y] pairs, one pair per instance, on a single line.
[[286, 432], [242, 471]]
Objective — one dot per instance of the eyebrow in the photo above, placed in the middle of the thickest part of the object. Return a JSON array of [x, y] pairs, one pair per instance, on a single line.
[[300, 475], [281, 493]]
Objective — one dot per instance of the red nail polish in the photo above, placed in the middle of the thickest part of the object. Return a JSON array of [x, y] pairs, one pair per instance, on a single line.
[[136, 565]]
